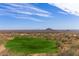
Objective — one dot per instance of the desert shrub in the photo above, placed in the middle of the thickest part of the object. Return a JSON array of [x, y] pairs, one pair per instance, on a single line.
[[2, 41]]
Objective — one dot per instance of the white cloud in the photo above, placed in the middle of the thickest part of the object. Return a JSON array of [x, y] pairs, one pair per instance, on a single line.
[[72, 8], [37, 1], [3, 12], [64, 13], [23, 11], [30, 18], [38, 10], [27, 5], [42, 14], [35, 19], [64, 1], [27, 9]]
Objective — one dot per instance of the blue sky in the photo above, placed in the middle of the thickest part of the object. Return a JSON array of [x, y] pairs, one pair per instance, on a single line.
[[37, 16]]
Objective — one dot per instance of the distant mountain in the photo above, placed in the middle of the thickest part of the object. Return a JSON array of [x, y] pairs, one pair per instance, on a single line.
[[40, 30], [49, 29]]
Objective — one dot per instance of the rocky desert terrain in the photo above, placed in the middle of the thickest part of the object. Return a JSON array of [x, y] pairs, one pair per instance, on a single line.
[[68, 41]]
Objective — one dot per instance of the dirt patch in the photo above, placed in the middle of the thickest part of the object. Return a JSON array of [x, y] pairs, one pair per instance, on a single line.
[[2, 48]]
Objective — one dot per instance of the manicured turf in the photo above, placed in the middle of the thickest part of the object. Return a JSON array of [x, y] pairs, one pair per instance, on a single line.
[[31, 45]]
